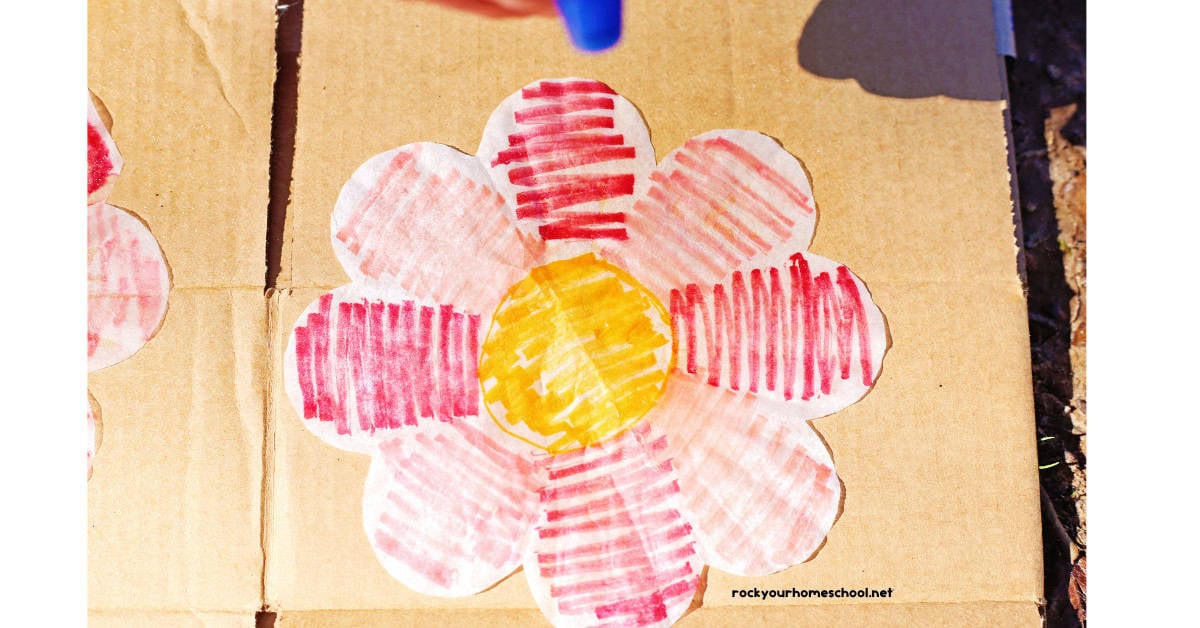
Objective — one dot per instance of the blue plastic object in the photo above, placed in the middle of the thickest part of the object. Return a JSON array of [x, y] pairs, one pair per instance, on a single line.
[[594, 25]]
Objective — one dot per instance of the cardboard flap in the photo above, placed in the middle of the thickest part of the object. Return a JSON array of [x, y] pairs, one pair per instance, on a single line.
[[175, 497], [188, 85], [937, 463]]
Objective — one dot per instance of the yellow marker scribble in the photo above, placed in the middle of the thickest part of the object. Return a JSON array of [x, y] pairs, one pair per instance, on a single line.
[[578, 352]]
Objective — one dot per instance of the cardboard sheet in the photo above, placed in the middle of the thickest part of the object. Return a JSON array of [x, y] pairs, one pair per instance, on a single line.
[[937, 463], [210, 499], [190, 100], [174, 499], [611, 436], [128, 279]]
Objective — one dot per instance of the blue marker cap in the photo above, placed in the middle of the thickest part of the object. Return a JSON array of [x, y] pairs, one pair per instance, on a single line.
[[594, 25]]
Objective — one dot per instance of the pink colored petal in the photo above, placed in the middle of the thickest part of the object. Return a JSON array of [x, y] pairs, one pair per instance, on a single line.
[[611, 546], [362, 363], [447, 509], [104, 162], [569, 156], [128, 284], [724, 200], [805, 335], [424, 218], [762, 492]]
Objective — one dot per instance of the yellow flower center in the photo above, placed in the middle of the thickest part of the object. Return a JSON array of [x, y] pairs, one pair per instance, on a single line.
[[577, 352]]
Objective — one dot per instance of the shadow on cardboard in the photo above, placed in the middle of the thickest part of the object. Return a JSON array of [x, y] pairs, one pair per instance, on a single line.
[[911, 49]]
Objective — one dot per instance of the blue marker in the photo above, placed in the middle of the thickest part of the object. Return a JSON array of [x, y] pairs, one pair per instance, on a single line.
[[594, 25]]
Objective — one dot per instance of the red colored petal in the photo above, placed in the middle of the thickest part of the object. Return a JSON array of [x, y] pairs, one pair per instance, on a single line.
[[723, 201], [104, 162], [425, 218], [447, 509], [805, 334], [363, 363], [611, 546], [128, 284], [762, 492], [569, 156]]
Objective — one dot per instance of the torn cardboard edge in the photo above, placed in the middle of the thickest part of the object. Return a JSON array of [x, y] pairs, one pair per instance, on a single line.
[[285, 103]]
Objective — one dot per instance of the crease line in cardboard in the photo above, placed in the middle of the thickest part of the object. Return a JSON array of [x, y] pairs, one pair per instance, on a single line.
[[196, 25], [218, 288], [267, 494], [288, 26], [707, 607], [167, 611], [1004, 282]]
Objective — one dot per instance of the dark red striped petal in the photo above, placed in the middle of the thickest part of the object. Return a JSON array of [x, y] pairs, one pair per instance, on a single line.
[[104, 162], [804, 333], [569, 156], [447, 509], [761, 491], [128, 282], [611, 547], [722, 201], [362, 363], [414, 216]]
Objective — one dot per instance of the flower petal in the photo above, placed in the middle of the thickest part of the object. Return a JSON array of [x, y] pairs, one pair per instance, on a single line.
[[128, 284], [424, 218], [448, 510], [804, 335], [363, 362], [569, 156], [724, 200], [762, 492], [104, 162], [611, 546]]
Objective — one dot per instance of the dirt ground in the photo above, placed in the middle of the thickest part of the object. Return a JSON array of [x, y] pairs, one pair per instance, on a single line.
[[1047, 85]]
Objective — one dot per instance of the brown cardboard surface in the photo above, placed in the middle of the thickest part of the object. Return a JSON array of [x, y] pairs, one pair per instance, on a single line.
[[900, 171], [182, 619], [174, 520], [200, 444], [938, 462], [930, 505], [174, 500], [188, 85], [991, 614]]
